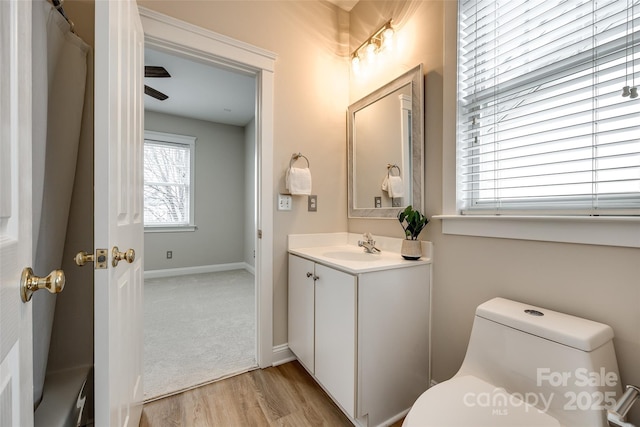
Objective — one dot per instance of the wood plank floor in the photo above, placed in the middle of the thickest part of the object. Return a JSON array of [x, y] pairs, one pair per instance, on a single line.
[[285, 395]]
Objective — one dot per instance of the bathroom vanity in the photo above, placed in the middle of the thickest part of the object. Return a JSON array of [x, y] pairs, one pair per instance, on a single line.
[[359, 322]]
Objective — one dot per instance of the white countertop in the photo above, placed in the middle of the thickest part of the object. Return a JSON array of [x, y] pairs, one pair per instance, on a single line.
[[340, 251]]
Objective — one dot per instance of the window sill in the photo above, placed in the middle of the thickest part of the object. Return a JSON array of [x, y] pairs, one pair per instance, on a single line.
[[175, 229], [608, 231]]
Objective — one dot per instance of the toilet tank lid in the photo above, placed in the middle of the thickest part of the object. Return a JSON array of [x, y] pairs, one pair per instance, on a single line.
[[562, 328]]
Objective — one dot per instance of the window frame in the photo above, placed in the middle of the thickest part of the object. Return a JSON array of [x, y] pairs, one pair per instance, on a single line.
[[534, 205], [182, 140], [588, 230]]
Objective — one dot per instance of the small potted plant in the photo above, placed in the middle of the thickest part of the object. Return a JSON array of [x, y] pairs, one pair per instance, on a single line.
[[412, 222]]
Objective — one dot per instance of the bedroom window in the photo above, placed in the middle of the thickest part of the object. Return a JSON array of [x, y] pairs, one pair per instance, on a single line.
[[168, 182], [548, 113]]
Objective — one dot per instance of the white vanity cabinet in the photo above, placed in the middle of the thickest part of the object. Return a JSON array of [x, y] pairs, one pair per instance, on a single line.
[[364, 336], [322, 326]]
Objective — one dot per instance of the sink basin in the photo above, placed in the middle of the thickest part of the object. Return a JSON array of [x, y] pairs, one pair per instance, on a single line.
[[351, 256]]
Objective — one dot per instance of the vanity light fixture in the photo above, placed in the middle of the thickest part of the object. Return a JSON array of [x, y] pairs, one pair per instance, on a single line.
[[368, 50]]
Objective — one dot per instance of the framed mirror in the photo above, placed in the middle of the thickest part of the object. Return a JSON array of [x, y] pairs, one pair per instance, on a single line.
[[386, 148]]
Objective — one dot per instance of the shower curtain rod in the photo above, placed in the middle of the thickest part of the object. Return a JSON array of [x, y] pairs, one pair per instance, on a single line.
[[58, 5]]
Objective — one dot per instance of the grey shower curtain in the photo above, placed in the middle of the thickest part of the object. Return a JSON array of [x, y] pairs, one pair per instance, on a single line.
[[59, 79]]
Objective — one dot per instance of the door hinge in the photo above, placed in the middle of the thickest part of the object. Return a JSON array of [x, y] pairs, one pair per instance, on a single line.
[[259, 234]]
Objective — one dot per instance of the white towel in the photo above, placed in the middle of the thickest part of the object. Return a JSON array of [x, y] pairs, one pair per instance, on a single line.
[[395, 187], [298, 181]]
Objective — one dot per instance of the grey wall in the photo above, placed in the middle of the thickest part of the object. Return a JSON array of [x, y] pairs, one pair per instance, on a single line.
[[220, 202]]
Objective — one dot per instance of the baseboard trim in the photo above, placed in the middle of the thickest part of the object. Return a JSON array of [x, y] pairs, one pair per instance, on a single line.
[[282, 354], [172, 272], [250, 268]]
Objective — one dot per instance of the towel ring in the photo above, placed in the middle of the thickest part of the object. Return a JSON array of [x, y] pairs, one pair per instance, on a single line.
[[390, 166], [296, 156]]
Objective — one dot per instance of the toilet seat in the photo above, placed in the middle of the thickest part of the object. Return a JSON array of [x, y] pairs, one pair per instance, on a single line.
[[469, 401]]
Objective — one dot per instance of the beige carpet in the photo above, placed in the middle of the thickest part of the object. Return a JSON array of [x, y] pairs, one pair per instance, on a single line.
[[197, 328]]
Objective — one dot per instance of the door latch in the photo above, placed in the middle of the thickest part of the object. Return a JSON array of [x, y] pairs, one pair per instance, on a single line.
[[100, 259]]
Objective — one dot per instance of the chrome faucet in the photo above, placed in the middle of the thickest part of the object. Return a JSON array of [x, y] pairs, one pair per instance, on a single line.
[[368, 244], [617, 415]]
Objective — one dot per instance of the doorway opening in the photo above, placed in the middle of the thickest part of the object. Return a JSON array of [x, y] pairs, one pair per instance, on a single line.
[[200, 216], [168, 36]]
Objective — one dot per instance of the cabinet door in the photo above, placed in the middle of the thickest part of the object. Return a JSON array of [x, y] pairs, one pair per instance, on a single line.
[[336, 335], [393, 340], [301, 310]]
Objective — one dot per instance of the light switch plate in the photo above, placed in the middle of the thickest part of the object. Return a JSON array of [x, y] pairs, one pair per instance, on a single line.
[[284, 202]]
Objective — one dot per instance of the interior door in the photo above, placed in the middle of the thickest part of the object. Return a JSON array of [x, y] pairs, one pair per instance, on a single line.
[[16, 347], [118, 227]]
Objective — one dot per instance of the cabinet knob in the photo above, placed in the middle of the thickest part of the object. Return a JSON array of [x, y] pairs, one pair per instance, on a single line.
[[309, 274]]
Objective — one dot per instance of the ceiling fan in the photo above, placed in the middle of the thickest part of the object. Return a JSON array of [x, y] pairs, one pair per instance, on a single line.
[[153, 71]]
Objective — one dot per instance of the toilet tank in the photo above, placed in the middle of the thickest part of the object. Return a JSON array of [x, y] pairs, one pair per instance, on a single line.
[[563, 365]]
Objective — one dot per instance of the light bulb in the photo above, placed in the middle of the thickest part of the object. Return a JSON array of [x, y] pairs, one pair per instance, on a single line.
[[370, 53], [371, 50], [355, 63], [387, 37]]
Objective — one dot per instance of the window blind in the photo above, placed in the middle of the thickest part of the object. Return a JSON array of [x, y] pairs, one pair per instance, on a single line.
[[543, 125]]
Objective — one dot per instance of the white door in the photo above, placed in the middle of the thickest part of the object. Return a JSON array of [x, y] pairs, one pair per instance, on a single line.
[[16, 346], [119, 48]]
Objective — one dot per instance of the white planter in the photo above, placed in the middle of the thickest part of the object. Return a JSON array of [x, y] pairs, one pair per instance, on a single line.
[[411, 249]]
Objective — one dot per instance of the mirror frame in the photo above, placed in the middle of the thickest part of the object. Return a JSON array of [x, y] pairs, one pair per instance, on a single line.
[[415, 77]]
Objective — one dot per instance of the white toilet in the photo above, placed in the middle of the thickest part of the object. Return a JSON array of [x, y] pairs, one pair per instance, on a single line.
[[526, 366]]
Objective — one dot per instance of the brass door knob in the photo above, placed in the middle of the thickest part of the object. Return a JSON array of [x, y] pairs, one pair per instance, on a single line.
[[29, 283], [82, 258], [117, 256]]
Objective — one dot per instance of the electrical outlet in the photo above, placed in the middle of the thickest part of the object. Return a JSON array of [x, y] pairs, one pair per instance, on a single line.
[[312, 203], [169, 254], [377, 201], [284, 202]]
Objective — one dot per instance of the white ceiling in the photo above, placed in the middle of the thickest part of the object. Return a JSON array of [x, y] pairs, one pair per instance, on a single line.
[[201, 91]]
